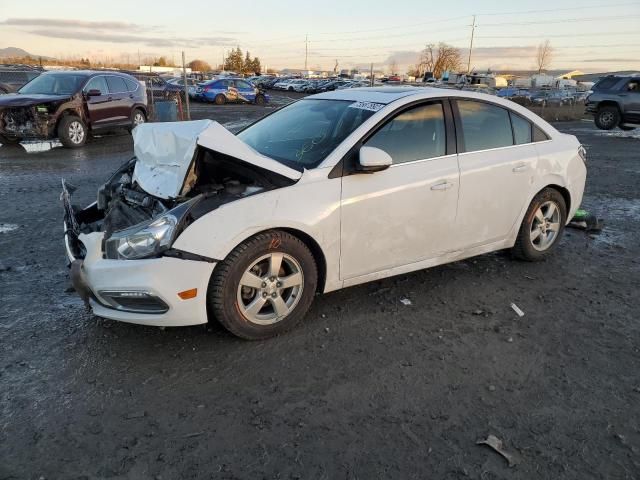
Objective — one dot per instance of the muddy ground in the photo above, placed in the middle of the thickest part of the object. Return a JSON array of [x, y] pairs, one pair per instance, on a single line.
[[365, 388]]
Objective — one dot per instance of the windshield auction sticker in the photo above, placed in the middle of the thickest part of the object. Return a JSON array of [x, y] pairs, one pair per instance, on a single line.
[[374, 107]]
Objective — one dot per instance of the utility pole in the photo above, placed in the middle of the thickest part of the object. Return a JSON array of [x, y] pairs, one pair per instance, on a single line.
[[473, 29], [371, 75], [186, 86], [306, 51]]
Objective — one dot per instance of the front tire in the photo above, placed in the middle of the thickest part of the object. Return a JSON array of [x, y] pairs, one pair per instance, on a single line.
[[4, 140], [72, 132], [608, 117], [542, 226], [260, 100], [264, 287]]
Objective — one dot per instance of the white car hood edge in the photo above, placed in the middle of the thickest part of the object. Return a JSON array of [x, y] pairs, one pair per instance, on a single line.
[[165, 153]]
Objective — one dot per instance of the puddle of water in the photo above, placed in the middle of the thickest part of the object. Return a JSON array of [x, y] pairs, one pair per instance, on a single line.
[[40, 146], [8, 227], [615, 212], [620, 134]]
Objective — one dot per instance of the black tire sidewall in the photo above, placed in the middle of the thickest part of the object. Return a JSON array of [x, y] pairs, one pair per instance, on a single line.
[[523, 248], [133, 116], [614, 123], [222, 294], [260, 100], [63, 131], [222, 100]]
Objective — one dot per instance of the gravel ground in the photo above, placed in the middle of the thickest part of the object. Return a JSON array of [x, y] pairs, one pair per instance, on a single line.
[[367, 387]]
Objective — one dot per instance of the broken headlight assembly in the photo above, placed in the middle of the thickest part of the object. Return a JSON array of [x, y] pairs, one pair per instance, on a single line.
[[147, 239]]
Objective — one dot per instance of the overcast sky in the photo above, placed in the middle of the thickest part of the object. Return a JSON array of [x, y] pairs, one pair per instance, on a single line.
[[593, 35]]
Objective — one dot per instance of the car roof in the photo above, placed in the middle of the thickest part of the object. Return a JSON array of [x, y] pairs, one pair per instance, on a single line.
[[386, 95]]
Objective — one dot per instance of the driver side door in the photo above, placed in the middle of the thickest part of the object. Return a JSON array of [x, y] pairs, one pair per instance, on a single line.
[[406, 213]]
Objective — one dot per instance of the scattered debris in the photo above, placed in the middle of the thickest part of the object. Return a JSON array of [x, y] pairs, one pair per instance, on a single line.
[[133, 415], [510, 340], [517, 310], [405, 301], [407, 431], [584, 220], [495, 443], [194, 434], [8, 227], [492, 388], [477, 312]]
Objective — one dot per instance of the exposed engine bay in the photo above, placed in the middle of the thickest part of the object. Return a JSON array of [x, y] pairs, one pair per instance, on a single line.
[[24, 121], [214, 179]]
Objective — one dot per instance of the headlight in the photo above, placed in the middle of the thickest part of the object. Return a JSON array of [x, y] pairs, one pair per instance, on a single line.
[[143, 240]]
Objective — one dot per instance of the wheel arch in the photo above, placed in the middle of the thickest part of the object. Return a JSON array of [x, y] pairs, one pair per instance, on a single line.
[[308, 240], [609, 103], [71, 111], [563, 191]]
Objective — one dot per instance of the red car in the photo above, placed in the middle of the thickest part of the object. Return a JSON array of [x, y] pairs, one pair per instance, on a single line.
[[70, 105]]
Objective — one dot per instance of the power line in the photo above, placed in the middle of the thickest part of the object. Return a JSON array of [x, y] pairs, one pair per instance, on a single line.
[[564, 20], [591, 34]]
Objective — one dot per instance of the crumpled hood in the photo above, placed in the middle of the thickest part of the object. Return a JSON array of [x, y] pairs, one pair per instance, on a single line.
[[20, 100], [165, 152]]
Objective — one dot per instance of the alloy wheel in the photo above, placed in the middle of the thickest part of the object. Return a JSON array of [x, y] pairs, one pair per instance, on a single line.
[[270, 288], [545, 226], [606, 118], [138, 119], [76, 132]]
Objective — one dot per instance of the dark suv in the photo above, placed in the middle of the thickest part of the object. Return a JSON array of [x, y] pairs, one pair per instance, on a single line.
[[71, 104], [615, 102]]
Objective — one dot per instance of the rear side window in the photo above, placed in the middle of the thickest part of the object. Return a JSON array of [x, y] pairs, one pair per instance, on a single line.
[[132, 85], [415, 134], [243, 84], [606, 83], [521, 129], [116, 84], [484, 126]]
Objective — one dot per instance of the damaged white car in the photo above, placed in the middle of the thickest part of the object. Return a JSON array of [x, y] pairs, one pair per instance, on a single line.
[[331, 191]]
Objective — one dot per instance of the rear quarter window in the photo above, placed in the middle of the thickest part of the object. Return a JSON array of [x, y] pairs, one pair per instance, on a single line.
[[116, 84], [132, 85], [606, 83]]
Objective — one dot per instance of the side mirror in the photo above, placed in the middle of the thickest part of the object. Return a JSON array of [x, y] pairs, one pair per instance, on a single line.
[[94, 92], [372, 159]]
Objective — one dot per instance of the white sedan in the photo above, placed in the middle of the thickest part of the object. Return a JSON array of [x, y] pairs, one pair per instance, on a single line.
[[334, 190]]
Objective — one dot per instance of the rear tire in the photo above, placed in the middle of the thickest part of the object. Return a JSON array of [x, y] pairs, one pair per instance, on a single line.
[[253, 302], [260, 100], [542, 226], [607, 117], [72, 131], [220, 99]]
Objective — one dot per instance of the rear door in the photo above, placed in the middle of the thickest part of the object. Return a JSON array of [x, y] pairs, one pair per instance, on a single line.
[[497, 168], [120, 100], [99, 107]]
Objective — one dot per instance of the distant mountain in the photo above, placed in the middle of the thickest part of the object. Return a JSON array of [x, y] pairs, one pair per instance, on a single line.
[[18, 52]]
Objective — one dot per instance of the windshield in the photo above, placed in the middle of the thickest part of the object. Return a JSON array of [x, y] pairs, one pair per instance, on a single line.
[[302, 134], [54, 84]]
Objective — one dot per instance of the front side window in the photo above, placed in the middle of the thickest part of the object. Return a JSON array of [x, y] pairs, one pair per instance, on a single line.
[[416, 134], [54, 84], [116, 84], [302, 134], [97, 83], [243, 85], [484, 126]]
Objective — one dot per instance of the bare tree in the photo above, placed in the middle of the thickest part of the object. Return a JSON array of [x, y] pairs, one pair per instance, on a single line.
[[545, 53], [393, 68], [437, 59]]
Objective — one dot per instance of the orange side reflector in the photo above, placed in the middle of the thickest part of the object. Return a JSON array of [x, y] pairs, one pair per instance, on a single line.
[[187, 294]]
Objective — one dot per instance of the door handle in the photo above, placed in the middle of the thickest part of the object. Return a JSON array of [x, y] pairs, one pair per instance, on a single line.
[[442, 186], [520, 168]]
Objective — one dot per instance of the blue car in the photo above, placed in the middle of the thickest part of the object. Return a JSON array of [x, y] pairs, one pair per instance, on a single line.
[[225, 90]]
